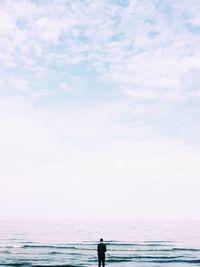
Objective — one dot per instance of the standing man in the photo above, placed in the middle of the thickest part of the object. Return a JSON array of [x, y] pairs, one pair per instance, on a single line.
[[101, 249]]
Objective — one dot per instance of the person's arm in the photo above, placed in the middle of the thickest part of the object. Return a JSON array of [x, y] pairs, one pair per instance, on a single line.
[[105, 248], [97, 248]]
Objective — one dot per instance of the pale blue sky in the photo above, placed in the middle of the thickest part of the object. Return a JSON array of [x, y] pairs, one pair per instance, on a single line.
[[96, 95]]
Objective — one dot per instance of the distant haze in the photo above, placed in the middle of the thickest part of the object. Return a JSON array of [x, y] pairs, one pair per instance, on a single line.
[[99, 109]]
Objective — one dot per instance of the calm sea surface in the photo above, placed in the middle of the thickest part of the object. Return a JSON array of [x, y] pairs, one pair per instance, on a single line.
[[73, 243]]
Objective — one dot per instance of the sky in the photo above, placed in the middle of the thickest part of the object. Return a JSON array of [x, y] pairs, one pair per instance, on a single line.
[[99, 109]]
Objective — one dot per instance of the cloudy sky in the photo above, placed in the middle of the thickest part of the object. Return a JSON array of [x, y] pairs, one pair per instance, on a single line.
[[99, 109]]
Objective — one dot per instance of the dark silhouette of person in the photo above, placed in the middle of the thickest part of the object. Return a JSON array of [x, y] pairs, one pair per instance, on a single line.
[[101, 249]]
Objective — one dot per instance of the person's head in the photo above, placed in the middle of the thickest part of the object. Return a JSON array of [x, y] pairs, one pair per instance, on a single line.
[[101, 239]]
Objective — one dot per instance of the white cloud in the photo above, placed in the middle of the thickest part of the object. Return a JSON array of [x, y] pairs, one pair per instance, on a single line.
[[64, 87], [155, 68], [7, 59], [50, 29], [140, 44], [195, 21], [6, 23], [18, 83], [21, 9], [120, 56], [74, 152], [10, 36]]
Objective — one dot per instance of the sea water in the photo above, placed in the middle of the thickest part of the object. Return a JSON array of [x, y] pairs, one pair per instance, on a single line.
[[73, 243]]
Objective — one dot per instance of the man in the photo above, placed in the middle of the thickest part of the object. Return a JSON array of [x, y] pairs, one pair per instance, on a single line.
[[101, 249]]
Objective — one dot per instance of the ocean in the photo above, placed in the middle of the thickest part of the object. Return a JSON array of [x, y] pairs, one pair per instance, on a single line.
[[73, 243]]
